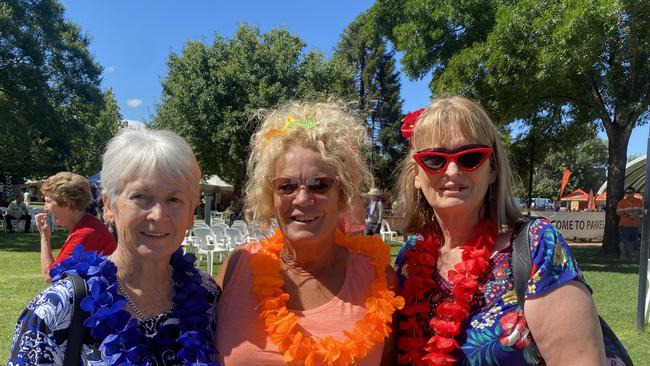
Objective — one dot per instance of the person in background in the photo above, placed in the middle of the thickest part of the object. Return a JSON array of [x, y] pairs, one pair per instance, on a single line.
[[630, 211], [17, 210], [374, 212], [66, 196]]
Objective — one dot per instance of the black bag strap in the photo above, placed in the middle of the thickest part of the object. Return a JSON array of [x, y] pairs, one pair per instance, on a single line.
[[76, 334], [521, 264]]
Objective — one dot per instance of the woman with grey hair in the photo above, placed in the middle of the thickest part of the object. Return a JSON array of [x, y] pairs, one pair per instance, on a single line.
[[146, 303]]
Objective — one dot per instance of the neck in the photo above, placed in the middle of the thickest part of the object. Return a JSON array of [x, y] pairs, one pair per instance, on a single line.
[[75, 217], [456, 227], [144, 277], [309, 259]]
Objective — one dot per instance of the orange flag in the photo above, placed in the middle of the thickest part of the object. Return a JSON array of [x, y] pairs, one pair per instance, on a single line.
[[565, 179]]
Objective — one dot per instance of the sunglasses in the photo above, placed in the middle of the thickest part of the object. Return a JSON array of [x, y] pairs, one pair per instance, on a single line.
[[286, 186], [468, 158]]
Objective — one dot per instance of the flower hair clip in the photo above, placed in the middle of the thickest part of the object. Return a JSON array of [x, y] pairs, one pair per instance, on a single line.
[[409, 122], [291, 123]]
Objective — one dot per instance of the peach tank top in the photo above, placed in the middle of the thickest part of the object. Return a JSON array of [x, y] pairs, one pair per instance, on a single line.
[[241, 339]]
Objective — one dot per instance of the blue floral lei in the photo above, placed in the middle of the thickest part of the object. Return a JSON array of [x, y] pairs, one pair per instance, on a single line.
[[121, 342]]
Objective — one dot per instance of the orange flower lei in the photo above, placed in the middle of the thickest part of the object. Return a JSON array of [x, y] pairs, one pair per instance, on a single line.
[[282, 325]]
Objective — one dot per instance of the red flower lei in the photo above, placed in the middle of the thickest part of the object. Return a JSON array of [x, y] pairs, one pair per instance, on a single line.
[[421, 262]]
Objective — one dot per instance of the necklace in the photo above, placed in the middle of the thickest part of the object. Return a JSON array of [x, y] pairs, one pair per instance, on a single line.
[[131, 303], [135, 309], [421, 262], [120, 340], [282, 326]]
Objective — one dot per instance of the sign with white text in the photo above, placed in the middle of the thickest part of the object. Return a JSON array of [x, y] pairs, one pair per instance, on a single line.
[[577, 225]]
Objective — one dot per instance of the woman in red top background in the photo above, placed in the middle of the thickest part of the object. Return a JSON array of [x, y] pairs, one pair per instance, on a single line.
[[66, 196]]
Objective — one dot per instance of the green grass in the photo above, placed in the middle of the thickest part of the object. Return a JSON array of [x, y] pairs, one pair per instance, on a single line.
[[614, 283]]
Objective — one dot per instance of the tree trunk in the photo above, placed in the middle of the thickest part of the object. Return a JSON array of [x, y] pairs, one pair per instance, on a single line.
[[618, 140]]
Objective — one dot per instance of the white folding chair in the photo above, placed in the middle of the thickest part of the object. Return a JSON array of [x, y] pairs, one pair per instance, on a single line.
[[386, 233], [235, 237], [188, 242], [241, 226], [207, 245], [201, 224], [222, 225]]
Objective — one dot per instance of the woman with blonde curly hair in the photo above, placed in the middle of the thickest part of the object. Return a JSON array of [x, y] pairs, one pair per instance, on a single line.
[[322, 296], [66, 197]]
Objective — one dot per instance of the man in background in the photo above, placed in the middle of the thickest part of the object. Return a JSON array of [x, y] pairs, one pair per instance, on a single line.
[[17, 210], [630, 210], [374, 213]]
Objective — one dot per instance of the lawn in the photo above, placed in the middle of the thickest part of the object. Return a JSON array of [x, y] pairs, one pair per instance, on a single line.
[[614, 283]]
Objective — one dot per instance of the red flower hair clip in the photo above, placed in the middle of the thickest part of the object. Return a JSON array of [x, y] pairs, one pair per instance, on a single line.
[[408, 123]]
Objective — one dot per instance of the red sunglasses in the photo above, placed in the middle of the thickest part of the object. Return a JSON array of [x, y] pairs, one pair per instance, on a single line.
[[468, 158], [286, 186]]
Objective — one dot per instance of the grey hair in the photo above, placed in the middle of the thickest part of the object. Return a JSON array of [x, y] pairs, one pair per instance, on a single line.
[[136, 153]]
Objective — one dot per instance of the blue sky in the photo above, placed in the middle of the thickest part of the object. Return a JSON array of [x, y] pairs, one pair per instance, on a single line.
[[133, 39]]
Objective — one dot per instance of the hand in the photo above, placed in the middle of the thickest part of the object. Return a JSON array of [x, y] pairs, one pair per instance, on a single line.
[[43, 225]]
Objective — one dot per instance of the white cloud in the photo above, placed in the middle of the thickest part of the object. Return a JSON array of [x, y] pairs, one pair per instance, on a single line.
[[134, 103], [110, 68], [131, 123]]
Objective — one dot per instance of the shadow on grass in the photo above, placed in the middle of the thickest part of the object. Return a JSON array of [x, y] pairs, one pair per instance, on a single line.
[[590, 259], [28, 242]]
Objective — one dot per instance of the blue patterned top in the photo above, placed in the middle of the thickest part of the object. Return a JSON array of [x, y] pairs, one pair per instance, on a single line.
[[497, 333], [42, 329]]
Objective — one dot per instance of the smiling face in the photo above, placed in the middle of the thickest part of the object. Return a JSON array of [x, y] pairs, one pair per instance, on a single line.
[[303, 217], [453, 190], [151, 216]]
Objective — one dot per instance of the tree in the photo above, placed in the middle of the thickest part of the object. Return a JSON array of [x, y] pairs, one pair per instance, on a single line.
[[587, 161], [378, 96], [49, 88], [88, 145], [517, 58], [212, 93]]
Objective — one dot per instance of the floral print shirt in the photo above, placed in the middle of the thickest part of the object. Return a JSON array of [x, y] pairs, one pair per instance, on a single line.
[[496, 332]]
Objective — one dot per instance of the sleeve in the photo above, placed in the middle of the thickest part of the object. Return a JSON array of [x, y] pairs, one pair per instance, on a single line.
[[78, 237], [41, 332], [553, 265], [400, 261]]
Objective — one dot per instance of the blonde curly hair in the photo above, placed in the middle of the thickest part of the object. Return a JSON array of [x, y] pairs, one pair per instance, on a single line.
[[328, 128], [446, 119]]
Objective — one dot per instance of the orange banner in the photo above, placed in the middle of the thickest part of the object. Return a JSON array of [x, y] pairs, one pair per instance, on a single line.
[[565, 179]]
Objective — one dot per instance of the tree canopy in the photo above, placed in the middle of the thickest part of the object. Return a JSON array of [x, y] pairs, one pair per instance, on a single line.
[[377, 86], [51, 104], [212, 93], [521, 59]]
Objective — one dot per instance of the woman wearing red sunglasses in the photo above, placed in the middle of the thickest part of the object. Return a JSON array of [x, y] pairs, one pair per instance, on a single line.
[[310, 294], [456, 275]]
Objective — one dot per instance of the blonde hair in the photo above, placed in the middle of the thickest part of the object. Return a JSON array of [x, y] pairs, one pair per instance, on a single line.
[[327, 128], [68, 190], [446, 119]]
